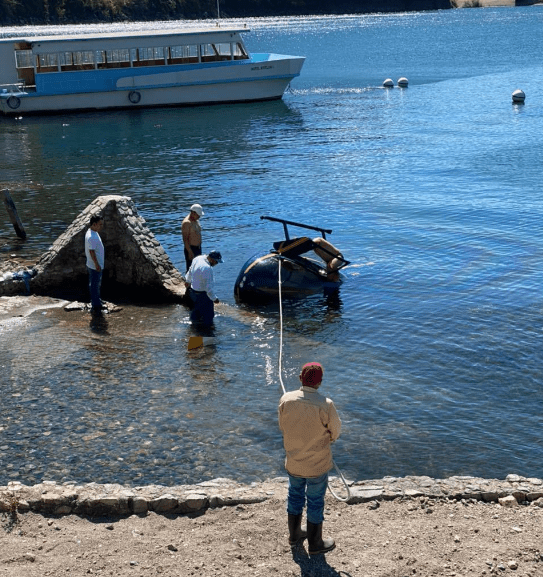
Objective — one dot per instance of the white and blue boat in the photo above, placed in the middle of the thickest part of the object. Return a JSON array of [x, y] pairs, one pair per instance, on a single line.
[[178, 67]]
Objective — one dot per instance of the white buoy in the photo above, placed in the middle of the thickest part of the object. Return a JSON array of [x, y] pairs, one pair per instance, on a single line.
[[518, 96], [388, 83], [403, 82]]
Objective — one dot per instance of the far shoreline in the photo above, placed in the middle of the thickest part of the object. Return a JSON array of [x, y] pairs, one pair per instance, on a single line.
[[455, 4]]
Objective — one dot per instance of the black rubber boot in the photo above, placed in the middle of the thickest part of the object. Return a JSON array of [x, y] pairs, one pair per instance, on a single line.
[[296, 532], [316, 544]]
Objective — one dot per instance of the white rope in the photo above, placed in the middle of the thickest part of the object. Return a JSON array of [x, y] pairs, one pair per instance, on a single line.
[[344, 499], [280, 329]]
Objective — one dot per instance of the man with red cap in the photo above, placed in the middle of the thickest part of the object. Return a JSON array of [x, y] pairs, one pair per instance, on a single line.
[[309, 423]]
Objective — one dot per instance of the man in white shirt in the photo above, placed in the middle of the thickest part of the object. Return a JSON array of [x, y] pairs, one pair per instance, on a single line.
[[309, 423], [94, 251], [201, 285]]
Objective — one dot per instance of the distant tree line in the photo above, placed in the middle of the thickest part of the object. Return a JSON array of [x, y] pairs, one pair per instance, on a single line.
[[20, 12]]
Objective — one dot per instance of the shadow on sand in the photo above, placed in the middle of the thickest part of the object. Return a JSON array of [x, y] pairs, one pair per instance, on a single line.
[[314, 565]]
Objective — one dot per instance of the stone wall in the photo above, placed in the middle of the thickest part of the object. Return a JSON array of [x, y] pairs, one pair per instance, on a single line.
[[136, 265], [116, 500]]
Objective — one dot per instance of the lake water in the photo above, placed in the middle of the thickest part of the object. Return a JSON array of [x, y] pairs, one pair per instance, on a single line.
[[433, 348]]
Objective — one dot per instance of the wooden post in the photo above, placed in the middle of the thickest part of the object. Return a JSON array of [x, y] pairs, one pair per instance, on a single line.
[[13, 216]]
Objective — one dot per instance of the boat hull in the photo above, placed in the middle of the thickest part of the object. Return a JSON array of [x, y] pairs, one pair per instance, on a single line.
[[250, 82], [258, 279]]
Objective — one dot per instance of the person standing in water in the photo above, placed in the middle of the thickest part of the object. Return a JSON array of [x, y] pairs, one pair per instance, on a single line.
[[94, 251], [200, 283], [191, 231]]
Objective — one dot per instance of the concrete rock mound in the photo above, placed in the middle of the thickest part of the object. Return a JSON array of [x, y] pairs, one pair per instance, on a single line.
[[136, 265]]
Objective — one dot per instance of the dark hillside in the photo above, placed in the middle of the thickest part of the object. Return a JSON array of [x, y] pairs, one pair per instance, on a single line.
[[15, 12]]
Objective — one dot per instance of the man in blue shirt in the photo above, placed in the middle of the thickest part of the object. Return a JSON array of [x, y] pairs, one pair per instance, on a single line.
[[201, 285]]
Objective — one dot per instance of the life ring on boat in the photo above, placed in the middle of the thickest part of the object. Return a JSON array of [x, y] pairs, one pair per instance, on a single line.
[[134, 96], [14, 102]]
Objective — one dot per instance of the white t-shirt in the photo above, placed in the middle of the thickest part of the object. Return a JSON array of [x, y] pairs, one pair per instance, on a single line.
[[200, 276], [94, 242]]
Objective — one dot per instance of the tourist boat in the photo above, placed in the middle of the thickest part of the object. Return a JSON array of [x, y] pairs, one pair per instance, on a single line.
[[42, 74], [258, 279]]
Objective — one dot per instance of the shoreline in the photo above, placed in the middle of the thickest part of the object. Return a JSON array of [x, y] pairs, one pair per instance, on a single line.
[[114, 500], [412, 534]]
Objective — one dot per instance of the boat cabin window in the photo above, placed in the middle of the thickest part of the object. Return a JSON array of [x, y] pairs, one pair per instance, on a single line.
[[224, 51], [24, 59], [150, 56], [84, 60], [127, 57], [48, 63], [208, 53], [113, 58], [239, 51], [183, 54], [66, 61]]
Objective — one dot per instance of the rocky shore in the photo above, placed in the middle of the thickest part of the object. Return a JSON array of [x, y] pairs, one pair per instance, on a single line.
[[391, 527], [114, 500]]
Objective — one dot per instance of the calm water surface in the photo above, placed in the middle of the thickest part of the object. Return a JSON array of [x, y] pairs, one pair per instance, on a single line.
[[433, 347]]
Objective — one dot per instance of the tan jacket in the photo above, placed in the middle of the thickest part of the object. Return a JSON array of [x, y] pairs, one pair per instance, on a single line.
[[309, 423]]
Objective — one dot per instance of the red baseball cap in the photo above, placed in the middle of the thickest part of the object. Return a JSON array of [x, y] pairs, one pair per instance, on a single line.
[[311, 374]]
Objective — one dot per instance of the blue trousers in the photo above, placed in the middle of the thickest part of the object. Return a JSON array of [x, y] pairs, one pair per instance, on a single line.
[[95, 282], [311, 488], [204, 309]]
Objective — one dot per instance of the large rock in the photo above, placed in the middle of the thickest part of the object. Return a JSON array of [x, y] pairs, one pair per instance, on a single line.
[[136, 265]]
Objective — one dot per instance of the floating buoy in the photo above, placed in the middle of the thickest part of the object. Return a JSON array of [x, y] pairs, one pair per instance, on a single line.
[[388, 83], [403, 82], [518, 96]]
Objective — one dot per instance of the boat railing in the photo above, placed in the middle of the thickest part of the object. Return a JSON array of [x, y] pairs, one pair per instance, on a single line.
[[12, 88], [323, 231]]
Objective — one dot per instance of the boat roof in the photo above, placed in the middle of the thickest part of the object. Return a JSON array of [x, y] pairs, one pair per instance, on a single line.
[[125, 35]]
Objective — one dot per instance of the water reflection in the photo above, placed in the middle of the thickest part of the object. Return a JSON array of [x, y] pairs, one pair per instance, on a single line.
[[98, 324], [163, 158]]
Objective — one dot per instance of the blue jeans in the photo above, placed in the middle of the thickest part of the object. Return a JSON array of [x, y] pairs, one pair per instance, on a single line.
[[314, 489], [95, 282], [204, 309]]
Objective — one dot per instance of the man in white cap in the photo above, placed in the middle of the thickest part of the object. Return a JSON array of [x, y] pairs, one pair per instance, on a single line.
[[191, 231], [200, 283]]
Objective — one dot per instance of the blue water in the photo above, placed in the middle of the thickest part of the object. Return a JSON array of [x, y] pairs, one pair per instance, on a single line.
[[433, 348]]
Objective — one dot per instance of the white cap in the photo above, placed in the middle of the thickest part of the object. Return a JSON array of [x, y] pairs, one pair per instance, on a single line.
[[197, 209]]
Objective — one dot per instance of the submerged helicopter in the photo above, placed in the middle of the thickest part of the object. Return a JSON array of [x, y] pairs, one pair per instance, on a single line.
[[301, 275]]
